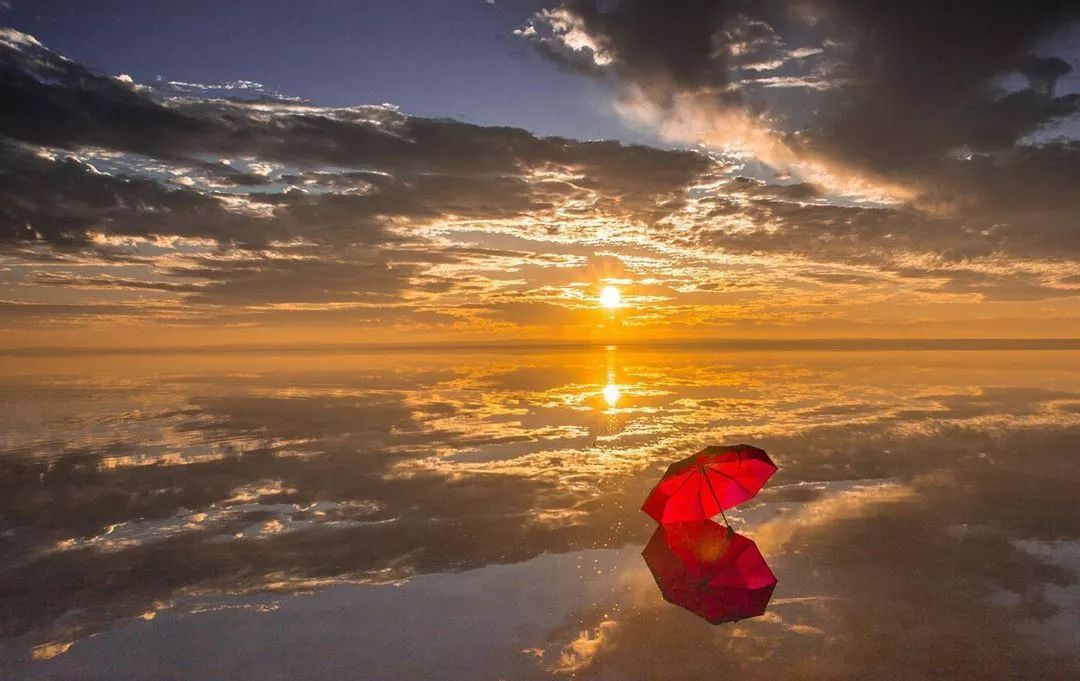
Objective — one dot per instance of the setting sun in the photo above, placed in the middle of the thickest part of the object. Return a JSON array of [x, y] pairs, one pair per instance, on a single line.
[[610, 297]]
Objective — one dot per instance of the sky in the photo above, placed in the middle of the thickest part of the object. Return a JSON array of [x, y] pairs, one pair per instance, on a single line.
[[281, 172]]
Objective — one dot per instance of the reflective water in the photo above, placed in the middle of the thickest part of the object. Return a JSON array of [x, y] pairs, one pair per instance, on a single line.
[[447, 515]]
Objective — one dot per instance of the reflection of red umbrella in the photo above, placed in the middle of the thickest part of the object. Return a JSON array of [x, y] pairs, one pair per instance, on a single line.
[[710, 570], [703, 485]]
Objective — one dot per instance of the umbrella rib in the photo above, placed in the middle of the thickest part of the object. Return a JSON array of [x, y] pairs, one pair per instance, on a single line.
[[681, 484], [742, 486], [720, 506]]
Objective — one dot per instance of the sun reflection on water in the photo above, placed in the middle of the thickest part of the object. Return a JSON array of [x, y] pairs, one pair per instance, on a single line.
[[611, 395]]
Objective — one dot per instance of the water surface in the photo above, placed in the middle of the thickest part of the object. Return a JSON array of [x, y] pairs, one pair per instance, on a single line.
[[468, 515]]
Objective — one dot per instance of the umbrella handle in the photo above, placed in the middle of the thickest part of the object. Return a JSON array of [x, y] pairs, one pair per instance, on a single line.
[[708, 482]]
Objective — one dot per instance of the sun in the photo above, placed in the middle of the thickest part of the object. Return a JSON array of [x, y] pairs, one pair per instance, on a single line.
[[610, 297]]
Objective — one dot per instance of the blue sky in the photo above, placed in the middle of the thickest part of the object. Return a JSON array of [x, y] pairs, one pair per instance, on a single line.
[[453, 58]]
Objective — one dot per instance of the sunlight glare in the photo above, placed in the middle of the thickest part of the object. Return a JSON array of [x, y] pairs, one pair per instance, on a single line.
[[611, 394], [610, 297]]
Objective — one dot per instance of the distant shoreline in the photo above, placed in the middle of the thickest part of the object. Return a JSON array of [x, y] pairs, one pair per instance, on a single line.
[[741, 345]]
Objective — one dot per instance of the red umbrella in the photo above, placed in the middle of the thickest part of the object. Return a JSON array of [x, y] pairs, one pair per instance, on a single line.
[[703, 485], [725, 578]]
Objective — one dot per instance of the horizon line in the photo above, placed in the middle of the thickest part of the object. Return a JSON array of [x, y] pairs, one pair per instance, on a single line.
[[735, 344]]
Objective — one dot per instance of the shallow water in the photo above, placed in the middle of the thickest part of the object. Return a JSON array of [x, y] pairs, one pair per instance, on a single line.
[[475, 516]]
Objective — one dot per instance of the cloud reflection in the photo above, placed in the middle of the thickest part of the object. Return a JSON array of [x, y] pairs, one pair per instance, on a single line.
[[129, 484]]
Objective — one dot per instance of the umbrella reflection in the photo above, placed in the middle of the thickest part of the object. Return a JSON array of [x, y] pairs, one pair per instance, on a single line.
[[710, 570]]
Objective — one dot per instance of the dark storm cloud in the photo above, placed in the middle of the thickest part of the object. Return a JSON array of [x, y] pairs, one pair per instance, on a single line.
[[921, 70], [911, 80], [1024, 200], [665, 47], [61, 201]]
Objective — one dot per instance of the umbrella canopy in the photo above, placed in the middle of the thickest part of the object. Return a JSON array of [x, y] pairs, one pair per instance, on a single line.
[[703, 485], [725, 578]]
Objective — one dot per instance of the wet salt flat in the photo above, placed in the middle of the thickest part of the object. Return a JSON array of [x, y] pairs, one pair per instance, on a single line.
[[476, 515]]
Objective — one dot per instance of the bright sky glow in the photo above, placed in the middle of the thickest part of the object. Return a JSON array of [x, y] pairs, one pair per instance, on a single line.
[[610, 297]]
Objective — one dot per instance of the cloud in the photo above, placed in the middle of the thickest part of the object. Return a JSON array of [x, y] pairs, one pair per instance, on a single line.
[[280, 201], [63, 104], [886, 87], [61, 201], [264, 211]]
